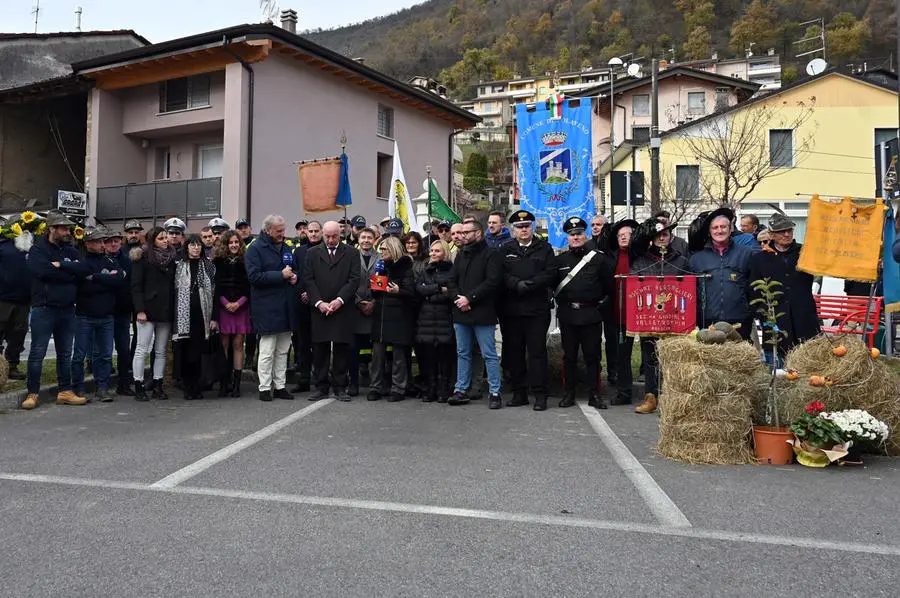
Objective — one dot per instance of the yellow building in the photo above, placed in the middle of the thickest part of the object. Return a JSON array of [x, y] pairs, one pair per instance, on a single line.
[[814, 136]]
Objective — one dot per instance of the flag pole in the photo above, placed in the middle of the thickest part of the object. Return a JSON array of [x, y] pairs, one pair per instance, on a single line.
[[343, 151], [428, 171]]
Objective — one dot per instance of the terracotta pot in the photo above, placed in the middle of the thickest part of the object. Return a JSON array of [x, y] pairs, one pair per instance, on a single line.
[[771, 445]]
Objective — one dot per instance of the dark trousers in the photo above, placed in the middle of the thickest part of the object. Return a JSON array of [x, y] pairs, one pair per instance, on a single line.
[[527, 335], [59, 323], [250, 343], [625, 377], [13, 329], [586, 336], [610, 339], [122, 341], [303, 357], [651, 366], [505, 360], [360, 354], [437, 364], [334, 377]]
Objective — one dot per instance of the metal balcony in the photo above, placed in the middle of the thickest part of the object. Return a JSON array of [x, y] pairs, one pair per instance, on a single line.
[[191, 198]]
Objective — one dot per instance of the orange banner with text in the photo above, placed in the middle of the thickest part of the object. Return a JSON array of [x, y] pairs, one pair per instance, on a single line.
[[843, 239]]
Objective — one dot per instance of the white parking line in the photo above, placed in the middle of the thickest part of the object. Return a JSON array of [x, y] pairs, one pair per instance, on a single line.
[[665, 510], [186, 473], [690, 533]]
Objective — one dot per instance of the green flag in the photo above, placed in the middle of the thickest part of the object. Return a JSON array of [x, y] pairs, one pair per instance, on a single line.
[[438, 207]]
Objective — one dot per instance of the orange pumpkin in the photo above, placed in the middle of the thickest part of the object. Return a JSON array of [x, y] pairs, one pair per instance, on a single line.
[[874, 352], [792, 375], [839, 351], [816, 381]]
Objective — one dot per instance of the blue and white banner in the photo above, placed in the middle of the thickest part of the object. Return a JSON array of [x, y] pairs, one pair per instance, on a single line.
[[556, 176]]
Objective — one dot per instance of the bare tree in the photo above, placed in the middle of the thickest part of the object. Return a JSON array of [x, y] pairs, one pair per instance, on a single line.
[[738, 150]]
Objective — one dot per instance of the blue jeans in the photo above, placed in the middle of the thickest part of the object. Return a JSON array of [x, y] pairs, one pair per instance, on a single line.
[[58, 322], [122, 339], [94, 338], [466, 334]]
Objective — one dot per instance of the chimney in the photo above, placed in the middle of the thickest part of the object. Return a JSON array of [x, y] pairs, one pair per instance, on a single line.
[[289, 20], [663, 64], [77, 18]]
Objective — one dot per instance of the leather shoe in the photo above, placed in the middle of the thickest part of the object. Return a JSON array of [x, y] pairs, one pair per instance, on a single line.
[[343, 397], [282, 393], [373, 396], [567, 401], [353, 390], [265, 395], [318, 395], [458, 398], [301, 387], [517, 401], [496, 402], [540, 403], [395, 397], [598, 402], [620, 400]]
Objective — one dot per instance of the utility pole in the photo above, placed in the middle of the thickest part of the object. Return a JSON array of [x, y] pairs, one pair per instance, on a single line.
[[654, 137]]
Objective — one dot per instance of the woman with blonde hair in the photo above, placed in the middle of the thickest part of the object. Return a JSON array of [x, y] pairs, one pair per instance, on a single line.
[[393, 321], [435, 342], [231, 306]]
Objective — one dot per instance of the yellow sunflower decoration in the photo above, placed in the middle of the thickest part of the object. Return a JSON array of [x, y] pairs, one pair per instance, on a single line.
[[41, 229], [79, 233], [16, 229], [28, 217]]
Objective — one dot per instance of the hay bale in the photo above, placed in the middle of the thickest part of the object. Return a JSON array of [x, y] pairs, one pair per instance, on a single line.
[[707, 399], [860, 382], [4, 373]]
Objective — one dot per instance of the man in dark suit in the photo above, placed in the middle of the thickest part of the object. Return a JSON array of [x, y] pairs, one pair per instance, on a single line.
[[331, 278]]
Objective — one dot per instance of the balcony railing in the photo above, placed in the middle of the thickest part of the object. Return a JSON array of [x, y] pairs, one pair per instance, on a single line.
[[192, 198]]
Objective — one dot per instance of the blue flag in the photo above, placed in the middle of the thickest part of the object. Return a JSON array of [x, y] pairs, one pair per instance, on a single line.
[[556, 175], [891, 271], [343, 196]]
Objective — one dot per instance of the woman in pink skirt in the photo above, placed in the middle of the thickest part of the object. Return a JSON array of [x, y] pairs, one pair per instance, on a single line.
[[232, 305]]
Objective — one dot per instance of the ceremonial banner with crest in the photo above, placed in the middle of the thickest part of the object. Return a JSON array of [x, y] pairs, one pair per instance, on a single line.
[[555, 170], [660, 305]]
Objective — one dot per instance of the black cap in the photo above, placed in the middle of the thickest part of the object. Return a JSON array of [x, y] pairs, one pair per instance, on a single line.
[[444, 224], [522, 216], [394, 227], [241, 222], [358, 221], [301, 222], [727, 212], [575, 225]]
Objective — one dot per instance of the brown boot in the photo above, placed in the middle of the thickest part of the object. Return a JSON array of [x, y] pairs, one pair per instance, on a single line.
[[31, 401], [67, 397], [648, 406]]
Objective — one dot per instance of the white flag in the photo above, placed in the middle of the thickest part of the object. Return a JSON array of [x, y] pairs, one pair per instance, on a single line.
[[399, 203]]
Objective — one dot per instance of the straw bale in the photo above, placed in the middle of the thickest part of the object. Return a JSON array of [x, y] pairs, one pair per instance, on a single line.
[[860, 382]]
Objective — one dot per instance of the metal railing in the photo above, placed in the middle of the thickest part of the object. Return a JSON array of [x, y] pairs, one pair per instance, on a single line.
[[191, 198]]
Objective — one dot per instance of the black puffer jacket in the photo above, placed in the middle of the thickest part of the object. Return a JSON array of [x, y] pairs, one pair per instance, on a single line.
[[394, 318], [152, 287], [435, 320]]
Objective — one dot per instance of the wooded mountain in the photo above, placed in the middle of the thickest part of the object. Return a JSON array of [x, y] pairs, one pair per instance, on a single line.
[[462, 41]]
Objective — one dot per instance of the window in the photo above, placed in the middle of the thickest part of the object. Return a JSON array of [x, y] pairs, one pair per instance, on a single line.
[[687, 182], [385, 169], [884, 135], [209, 161], [640, 105], [385, 121], [640, 134], [163, 162], [696, 103], [184, 93], [482, 90], [781, 148]]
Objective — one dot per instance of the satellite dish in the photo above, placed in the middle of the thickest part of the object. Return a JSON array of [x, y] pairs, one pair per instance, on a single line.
[[815, 67], [634, 70]]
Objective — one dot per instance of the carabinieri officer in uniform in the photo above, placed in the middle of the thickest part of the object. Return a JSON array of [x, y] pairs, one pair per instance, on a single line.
[[584, 292]]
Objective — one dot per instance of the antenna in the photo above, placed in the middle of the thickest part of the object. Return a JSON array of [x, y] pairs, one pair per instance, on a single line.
[[36, 11], [269, 9], [821, 37]]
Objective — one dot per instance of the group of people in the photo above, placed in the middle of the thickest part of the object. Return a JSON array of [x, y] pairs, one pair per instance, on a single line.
[[359, 304]]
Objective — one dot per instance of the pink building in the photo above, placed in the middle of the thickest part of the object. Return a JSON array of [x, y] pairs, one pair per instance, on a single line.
[[213, 124]]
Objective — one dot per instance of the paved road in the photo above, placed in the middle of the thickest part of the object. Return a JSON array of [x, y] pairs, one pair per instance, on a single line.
[[237, 497]]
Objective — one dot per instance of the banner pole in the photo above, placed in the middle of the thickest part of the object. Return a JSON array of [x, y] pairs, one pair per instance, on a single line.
[[428, 226]]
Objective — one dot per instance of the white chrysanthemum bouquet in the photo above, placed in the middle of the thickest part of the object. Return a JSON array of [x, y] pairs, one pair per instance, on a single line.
[[859, 426]]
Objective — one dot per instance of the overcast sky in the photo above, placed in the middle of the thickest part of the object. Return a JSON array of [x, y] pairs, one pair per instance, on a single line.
[[159, 20]]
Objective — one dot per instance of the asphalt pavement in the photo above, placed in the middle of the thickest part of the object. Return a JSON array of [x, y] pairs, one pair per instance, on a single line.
[[292, 498]]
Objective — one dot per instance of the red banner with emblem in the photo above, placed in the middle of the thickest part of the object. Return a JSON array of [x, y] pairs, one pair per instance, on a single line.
[[660, 305]]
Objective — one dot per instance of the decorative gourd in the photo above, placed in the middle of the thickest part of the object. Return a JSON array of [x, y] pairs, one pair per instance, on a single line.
[[874, 352], [730, 330], [839, 351], [817, 381], [792, 375], [711, 337]]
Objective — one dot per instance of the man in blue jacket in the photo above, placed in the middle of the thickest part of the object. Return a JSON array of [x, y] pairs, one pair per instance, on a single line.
[[497, 234], [123, 312], [270, 270], [56, 267], [94, 315], [15, 294]]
